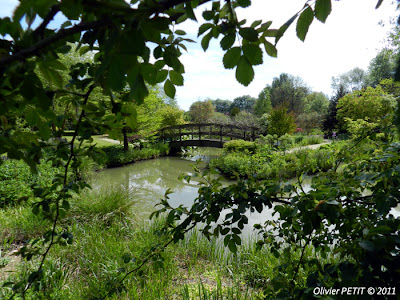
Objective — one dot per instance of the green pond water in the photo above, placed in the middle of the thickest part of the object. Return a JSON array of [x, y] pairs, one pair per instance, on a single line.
[[147, 181]]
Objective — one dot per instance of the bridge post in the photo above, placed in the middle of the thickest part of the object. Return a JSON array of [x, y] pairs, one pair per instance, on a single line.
[[199, 132], [180, 136]]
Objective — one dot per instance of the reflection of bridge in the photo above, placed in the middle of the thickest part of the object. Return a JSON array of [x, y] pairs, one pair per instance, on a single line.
[[206, 135]]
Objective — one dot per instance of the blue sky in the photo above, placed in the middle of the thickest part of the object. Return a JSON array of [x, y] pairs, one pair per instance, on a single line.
[[351, 37]]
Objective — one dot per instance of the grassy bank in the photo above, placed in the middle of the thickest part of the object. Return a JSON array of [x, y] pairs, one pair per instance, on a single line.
[[108, 242]]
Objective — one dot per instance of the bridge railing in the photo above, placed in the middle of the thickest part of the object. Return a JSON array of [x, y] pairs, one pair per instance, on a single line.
[[208, 131]]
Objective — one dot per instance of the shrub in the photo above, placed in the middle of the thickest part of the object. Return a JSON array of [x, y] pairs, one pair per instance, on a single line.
[[114, 156], [240, 146]]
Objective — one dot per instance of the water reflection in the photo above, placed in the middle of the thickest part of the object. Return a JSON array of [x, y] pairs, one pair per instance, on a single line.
[[149, 180]]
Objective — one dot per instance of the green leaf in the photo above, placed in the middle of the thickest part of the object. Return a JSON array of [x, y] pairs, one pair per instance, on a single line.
[[206, 40], [255, 23], [231, 58], [322, 9], [367, 245], [244, 3], [189, 11], [264, 26], [208, 15], [149, 73], [228, 41], [204, 27], [180, 32], [304, 22], [249, 34], [157, 52], [169, 89], [270, 49], [244, 71], [162, 75], [139, 90], [253, 53], [176, 78], [232, 246], [52, 76]]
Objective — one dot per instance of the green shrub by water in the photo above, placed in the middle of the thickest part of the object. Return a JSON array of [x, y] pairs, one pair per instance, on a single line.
[[115, 156], [267, 163]]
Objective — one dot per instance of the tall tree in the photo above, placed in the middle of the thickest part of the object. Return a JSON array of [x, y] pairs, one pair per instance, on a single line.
[[201, 111], [382, 66], [222, 106], [353, 80], [330, 122], [244, 103], [263, 102], [290, 91]]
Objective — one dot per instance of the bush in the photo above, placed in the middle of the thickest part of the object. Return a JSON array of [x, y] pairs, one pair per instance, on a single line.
[[240, 146], [16, 180], [114, 156]]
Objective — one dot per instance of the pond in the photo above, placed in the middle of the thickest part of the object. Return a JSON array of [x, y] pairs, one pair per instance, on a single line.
[[148, 181]]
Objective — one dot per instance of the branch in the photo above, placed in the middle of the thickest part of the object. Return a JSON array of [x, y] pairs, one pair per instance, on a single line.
[[61, 34], [53, 11]]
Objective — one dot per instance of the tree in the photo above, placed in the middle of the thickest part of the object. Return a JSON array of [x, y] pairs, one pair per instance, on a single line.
[[171, 116], [330, 121], [316, 102], [382, 66], [243, 103], [245, 119], [280, 122], [353, 80], [288, 90], [222, 106], [263, 102], [201, 111], [370, 105]]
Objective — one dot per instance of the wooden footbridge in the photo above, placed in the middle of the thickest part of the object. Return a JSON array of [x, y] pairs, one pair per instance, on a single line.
[[205, 134]]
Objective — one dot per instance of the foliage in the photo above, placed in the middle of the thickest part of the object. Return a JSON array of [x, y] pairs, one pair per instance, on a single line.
[[240, 146], [288, 90], [245, 119], [347, 214], [235, 111], [244, 103], [382, 66], [219, 118], [310, 121], [263, 103], [171, 116], [330, 121], [353, 80], [316, 102], [118, 36], [280, 122], [115, 156], [371, 105], [222, 106], [16, 180], [201, 111]]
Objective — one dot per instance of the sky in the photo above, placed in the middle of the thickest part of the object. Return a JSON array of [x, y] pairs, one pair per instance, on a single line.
[[352, 35]]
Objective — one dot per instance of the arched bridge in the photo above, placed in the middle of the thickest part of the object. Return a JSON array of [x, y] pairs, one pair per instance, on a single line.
[[206, 134]]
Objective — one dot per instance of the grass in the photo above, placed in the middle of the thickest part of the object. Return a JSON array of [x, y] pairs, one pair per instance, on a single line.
[[99, 140], [108, 242]]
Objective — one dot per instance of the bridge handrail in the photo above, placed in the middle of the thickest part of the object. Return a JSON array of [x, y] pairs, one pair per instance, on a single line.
[[210, 124]]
